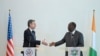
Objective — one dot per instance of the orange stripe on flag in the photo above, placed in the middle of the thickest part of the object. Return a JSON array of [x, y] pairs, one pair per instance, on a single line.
[[93, 22]]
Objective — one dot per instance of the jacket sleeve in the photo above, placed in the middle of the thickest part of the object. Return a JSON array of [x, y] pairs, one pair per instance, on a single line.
[[80, 40], [62, 41], [38, 42]]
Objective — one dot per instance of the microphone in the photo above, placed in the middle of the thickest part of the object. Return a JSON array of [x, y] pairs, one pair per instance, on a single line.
[[29, 40], [72, 34]]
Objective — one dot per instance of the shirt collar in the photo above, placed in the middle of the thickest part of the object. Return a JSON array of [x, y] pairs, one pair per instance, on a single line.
[[73, 32], [31, 29]]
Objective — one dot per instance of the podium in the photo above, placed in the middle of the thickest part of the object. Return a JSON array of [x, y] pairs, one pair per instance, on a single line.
[[73, 51], [70, 51], [29, 51]]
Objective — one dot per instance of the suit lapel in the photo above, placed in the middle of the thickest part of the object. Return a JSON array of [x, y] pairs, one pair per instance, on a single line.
[[33, 35]]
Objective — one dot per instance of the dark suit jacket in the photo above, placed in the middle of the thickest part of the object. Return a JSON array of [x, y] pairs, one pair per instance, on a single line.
[[30, 39], [76, 41]]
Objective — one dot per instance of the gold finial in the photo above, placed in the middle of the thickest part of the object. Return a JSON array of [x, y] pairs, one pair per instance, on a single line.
[[93, 10], [9, 10]]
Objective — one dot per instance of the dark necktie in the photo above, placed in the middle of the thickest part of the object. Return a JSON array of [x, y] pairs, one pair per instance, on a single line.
[[33, 33], [72, 39], [72, 35]]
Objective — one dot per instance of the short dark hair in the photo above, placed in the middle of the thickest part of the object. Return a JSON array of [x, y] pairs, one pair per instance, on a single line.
[[73, 23], [29, 22]]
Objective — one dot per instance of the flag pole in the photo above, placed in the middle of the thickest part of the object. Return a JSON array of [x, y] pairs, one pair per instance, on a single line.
[[93, 12]]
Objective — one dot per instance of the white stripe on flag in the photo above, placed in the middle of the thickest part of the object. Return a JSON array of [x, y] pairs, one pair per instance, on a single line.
[[94, 40]]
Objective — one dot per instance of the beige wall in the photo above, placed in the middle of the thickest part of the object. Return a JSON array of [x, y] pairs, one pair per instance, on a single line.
[[52, 17]]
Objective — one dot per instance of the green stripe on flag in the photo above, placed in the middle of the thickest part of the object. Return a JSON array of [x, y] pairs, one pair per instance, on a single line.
[[92, 52]]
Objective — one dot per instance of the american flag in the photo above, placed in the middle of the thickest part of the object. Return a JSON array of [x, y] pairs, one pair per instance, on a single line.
[[10, 45]]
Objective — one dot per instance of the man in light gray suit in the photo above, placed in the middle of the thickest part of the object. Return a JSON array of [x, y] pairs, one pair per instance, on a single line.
[[73, 38]]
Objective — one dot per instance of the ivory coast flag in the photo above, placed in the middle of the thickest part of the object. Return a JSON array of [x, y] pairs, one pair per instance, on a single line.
[[92, 51]]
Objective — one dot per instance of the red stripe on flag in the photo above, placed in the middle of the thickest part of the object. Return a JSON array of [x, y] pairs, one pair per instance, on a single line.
[[10, 48], [6, 54], [11, 43]]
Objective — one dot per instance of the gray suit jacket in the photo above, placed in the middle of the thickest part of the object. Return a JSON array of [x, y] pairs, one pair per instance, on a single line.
[[75, 40]]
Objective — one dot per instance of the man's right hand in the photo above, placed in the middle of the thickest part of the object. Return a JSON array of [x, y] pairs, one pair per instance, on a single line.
[[52, 44], [44, 42]]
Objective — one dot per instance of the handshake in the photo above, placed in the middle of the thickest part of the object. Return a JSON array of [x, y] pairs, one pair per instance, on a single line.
[[46, 44]]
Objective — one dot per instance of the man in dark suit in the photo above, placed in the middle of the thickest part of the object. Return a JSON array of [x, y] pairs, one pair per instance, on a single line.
[[73, 38], [30, 37]]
